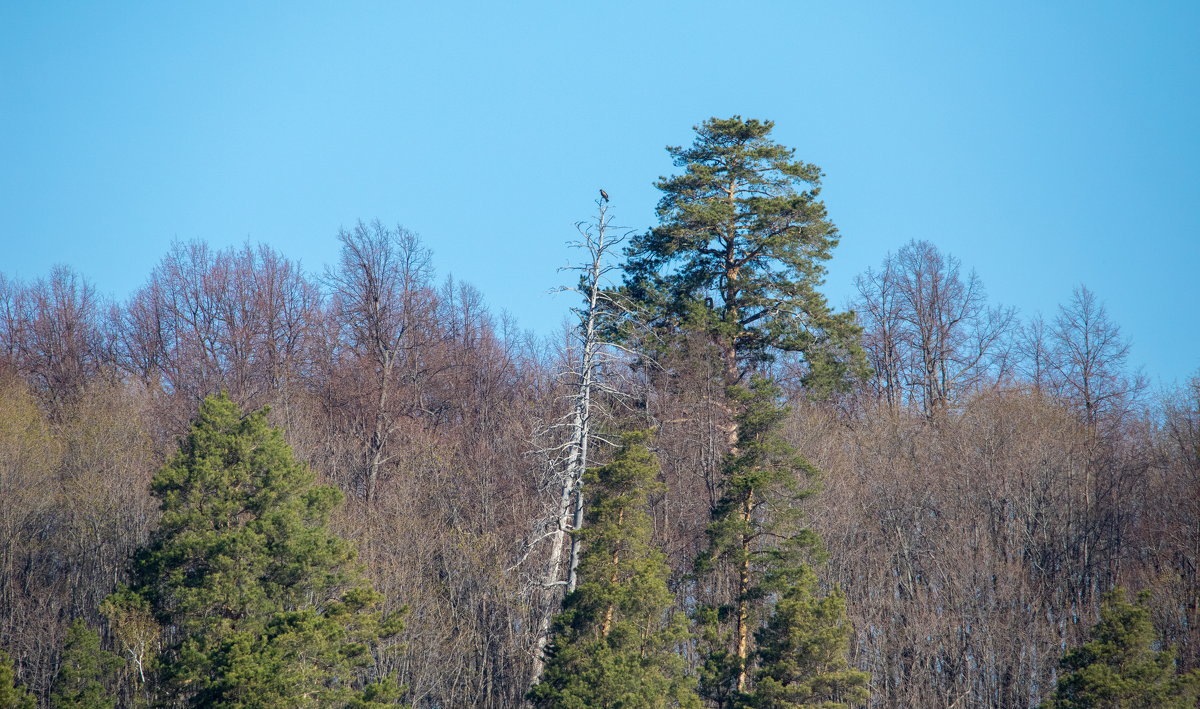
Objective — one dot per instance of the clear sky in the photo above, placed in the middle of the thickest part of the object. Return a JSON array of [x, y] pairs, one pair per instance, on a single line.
[[1046, 144]]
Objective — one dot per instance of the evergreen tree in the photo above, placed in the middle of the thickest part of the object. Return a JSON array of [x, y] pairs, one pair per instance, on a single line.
[[614, 643], [758, 545], [737, 258], [739, 254], [12, 696], [259, 604], [755, 538], [802, 653], [1118, 668], [84, 671]]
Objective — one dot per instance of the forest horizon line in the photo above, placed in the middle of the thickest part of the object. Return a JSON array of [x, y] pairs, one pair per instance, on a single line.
[[248, 484]]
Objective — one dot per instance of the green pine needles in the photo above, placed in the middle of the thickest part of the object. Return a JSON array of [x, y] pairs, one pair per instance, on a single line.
[[615, 643], [256, 604], [802, 653], [739, 253], [1118, 668], [760, 550], [735, 265], [12, 696], [84, 672]]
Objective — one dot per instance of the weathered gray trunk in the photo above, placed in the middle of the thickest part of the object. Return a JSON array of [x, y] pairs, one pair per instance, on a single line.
[[571, 501]]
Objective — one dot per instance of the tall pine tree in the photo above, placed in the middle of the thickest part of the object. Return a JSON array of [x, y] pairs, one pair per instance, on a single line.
[[614, 644], [737, 260], [258, 603]]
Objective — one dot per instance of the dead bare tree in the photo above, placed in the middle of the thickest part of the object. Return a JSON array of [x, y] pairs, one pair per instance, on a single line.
[[568, 459]]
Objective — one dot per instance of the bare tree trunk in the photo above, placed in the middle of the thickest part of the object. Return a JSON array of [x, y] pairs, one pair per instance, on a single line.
[[571, 501], [379, 436], [581, 418]]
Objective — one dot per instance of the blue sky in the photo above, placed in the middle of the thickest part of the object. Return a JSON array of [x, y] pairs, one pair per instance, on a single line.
[[1044, 144]]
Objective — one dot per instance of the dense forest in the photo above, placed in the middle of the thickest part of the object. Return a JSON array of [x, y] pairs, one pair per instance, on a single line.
[[252, 485]]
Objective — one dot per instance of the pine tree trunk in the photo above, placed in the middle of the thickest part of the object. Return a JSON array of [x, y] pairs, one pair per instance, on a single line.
[[606, 626], [743, 604]]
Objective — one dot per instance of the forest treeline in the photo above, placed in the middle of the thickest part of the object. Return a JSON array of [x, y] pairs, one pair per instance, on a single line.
[[966, 483]]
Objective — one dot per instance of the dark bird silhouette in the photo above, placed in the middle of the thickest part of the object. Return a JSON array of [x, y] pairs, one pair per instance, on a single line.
[[604, 195]]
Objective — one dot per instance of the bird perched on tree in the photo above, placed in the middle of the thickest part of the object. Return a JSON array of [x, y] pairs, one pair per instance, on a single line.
[[604, 195]]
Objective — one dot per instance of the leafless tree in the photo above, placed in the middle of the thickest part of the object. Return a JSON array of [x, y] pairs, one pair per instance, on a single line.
[[566, 458], [884, 341], [1090, 360], [930, 329], [52, 332], [1172, 524], [381, 289], [1036, 355], [243, 320], [14, 319]]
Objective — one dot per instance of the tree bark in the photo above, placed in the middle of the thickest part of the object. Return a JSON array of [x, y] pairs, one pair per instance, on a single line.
[[570, 509]]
